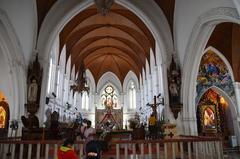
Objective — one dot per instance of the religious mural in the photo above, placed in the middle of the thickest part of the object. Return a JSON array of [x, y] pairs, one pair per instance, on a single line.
[[209, 116], [213, 72], [2, 117]]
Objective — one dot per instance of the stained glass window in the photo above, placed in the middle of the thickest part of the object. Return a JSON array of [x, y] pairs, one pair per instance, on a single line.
[[49, 76], [109, 98], [58, 83], [132, 95], [85, 100]]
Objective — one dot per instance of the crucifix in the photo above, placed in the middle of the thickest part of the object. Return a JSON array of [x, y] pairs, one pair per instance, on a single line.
[[155, 104]]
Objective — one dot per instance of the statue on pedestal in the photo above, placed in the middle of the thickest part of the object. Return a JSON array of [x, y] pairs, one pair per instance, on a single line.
[[174, 86], [33, 95]]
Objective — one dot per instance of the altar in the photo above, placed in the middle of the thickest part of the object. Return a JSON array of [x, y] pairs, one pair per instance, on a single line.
[[109, 114], [170, 129], [114, 118]]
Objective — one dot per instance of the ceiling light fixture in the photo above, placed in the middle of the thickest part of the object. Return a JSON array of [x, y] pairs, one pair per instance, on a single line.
[[103, 6]]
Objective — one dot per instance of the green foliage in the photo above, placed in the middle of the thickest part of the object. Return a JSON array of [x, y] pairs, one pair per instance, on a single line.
[[160, 128]]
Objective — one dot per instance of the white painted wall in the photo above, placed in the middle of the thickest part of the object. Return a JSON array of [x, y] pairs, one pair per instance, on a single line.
[[12, 70], [186, 15], [23, 17], [237, 4]]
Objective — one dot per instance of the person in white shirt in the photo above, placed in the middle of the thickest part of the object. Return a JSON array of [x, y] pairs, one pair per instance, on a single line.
[[89, 132]]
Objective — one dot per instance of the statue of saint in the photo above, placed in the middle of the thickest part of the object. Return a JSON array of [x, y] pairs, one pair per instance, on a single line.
[[32, 91], [173, 89]]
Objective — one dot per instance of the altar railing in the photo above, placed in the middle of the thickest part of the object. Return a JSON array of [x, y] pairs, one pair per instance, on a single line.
[[178, 147]]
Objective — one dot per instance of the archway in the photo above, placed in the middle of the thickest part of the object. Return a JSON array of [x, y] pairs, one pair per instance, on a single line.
[[215, 96], [55, 23], [195, 49], [12, 66], [4, 116]]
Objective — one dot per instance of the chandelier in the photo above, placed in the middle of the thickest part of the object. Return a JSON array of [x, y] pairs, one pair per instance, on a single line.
[[81, 85], [103, 6]]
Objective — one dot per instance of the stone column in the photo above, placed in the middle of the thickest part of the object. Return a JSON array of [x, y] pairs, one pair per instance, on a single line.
[[190, 126], [40, 113], [18, 73], [236, 120], [237, 94]]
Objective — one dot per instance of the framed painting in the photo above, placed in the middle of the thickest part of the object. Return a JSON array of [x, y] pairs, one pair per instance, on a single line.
[[208, 118]]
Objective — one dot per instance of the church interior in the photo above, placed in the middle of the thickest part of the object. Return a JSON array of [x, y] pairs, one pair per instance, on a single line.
[[154, 77]]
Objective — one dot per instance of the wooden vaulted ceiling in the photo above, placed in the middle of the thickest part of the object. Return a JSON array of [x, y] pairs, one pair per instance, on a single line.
[[118, 42]]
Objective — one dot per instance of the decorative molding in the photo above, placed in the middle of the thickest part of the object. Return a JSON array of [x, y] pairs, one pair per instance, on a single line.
[[226, 11]]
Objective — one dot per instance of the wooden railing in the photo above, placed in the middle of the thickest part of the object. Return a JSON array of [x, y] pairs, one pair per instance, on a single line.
[[179, 147]]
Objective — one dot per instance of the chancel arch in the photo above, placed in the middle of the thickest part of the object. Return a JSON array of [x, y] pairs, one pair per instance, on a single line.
[[57, 23]]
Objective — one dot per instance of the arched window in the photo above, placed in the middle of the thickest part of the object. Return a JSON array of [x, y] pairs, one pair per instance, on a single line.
[[85, 100], [109, 98], [58, 83], [49, 76], [132, 95]]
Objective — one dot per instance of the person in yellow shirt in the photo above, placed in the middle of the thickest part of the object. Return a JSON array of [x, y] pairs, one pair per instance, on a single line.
[[152, 126]]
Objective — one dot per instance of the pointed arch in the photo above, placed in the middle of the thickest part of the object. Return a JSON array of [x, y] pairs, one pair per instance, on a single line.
[[62, 59], [109, 77], [130, 76], [214, 69], [68, 67], [222, 57], [62, 11], [13, 66], [196, 44], [72, 77], [231, 104]]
